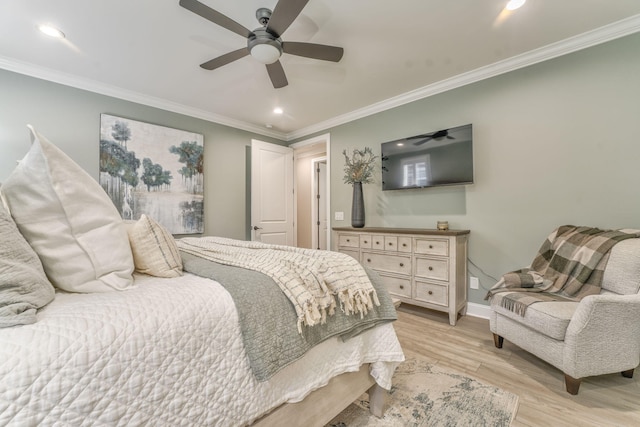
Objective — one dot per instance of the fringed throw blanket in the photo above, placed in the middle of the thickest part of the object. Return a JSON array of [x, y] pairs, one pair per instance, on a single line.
[[268, 321], [310, 279], [569, 266]]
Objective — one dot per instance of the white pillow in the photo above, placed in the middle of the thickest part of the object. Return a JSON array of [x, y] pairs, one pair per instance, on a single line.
[[154, 250], [69, 221]]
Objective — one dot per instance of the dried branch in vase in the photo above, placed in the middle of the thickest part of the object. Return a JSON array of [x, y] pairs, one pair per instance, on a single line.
[[360, 166]]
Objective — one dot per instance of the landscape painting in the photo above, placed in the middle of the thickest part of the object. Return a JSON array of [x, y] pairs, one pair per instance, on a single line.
[[153, 170]]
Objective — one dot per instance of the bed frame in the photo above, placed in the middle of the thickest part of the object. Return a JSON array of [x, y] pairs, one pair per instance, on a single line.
[[321, 405]]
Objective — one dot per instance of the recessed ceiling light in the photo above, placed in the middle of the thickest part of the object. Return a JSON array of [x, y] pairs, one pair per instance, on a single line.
[[278, 110], [51, 31], [515, 4]]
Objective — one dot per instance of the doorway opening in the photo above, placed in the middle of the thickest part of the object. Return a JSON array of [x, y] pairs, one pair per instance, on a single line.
[[312, 190]]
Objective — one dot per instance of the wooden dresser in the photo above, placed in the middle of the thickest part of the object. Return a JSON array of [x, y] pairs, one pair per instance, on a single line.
[[422, 267]]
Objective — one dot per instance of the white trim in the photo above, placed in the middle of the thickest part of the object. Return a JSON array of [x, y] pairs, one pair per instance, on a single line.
[[129, 95], [312, 141], [326, 139], [600, 35], [314, 201], [478, 310], [604, 34]]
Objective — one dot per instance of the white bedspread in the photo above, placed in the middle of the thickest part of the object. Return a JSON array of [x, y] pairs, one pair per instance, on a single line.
[[168, 352]]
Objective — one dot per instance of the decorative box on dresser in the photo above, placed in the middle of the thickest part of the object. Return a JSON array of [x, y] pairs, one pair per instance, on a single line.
[[422, 267]]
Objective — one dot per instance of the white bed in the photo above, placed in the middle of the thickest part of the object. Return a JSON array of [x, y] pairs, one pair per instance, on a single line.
[[167, 352], [83, 341]]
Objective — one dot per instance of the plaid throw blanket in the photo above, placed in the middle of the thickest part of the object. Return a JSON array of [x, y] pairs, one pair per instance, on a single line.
[[569, 266], [311, 279]]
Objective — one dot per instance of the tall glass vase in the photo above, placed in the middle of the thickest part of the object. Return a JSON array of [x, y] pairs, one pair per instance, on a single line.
[[357, 207]]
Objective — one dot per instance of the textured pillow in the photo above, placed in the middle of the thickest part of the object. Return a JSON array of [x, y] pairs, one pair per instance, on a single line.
[[154, 250], [69, 221], [23, 285]]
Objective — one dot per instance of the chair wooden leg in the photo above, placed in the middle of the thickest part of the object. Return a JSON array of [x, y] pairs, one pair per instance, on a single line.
[[572, 384], [498, 340], [627, 374]]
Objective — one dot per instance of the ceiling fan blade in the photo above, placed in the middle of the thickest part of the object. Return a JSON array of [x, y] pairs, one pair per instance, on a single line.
[[225, 59], [216, 17], [312, 50], [422, 141], [276, 74], [285, 12]]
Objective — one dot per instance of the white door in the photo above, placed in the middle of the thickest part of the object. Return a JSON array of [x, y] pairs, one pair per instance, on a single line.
[[271, 193]]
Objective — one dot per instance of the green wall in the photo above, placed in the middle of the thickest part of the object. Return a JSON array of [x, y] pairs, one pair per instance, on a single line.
[[70, 118], [554, 143]]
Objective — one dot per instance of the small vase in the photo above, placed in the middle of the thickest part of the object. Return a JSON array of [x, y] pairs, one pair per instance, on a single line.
[[357, 207]]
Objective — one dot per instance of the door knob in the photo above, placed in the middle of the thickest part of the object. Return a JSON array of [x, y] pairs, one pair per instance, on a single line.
[[256, 228]]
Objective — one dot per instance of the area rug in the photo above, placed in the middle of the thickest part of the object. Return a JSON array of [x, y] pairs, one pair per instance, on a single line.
[[424, 394]]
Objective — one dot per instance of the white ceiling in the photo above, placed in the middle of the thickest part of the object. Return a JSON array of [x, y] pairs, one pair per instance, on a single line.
[[149, 51]]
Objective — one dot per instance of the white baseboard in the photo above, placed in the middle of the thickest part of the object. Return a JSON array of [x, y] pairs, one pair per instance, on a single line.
[[478, 310]]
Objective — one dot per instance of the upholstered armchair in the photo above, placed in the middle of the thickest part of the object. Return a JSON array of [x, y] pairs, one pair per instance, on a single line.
[[596, 336]]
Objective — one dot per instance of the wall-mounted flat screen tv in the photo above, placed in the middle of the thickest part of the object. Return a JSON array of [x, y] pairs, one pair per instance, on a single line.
[[444, 157]]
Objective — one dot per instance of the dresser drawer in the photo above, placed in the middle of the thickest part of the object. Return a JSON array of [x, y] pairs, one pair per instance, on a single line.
[[430, 268], [390, 243], [431, 247], [389, 263], [404, 244], [432, 293], [377, 242], [349, 240], [365, 241], [397, 285]]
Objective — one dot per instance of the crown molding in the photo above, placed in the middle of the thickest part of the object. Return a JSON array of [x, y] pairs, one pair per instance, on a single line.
[[128, 95], [573, 44], [598, 36]]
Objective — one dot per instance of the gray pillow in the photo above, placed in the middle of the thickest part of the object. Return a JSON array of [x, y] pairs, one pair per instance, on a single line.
[[23, 285]]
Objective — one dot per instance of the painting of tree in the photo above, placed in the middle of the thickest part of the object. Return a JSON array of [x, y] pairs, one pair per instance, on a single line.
[[153, 170]]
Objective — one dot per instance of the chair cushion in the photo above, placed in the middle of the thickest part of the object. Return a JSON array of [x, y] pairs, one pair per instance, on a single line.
[[548, 318], [622, 274]]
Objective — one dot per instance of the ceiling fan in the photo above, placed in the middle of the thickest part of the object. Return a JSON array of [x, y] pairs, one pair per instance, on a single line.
[[444, 133], [264, 43]]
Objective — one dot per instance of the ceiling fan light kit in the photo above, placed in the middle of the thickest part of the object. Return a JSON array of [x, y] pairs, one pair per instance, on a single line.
[[264, 44], [264, 47]]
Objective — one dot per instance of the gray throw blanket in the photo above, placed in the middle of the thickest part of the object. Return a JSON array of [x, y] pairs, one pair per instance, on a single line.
[[312, 280], [569, 266], [268, 320]]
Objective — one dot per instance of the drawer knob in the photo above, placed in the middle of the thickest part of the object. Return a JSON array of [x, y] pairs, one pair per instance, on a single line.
[[430, 246], [377, 243], [390, 244], [430, 292], [430, 268], [401, 265], [404, 245], [365, 242], [401, 286], [348, 240], [368, 259]]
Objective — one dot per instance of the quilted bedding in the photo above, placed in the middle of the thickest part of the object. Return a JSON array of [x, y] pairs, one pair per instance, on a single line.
[[168, 352]]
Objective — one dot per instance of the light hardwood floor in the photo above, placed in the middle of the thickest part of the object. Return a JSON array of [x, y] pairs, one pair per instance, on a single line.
[[608, 400]]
